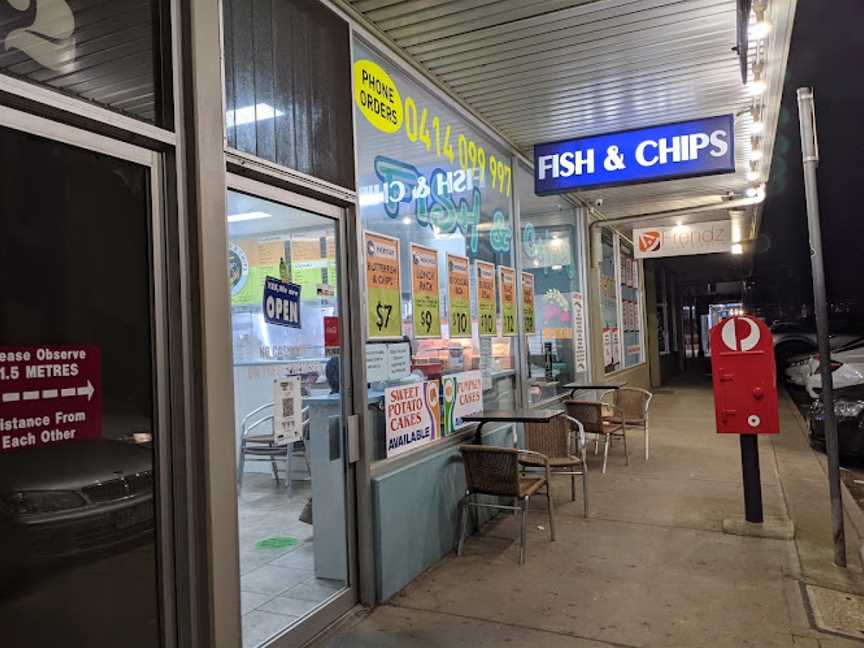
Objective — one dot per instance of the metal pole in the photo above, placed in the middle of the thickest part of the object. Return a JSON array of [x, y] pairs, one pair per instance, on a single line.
[[810, 154], [752, 478]]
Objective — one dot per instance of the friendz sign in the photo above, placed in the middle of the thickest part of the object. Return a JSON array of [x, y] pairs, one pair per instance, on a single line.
[[684, 149], [698, 238]]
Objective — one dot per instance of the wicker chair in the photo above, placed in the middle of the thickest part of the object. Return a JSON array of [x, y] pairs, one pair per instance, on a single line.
[[590, 415], [495, 471], [630, 403], [555, 441]]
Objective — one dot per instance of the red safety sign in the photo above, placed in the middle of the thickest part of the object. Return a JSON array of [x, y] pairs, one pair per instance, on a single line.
[[49, 394], [745, 383]]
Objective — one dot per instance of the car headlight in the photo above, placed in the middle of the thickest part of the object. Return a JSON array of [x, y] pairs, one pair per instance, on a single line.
[[29, 502]]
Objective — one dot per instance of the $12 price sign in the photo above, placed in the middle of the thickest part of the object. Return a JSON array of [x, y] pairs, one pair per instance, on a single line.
[[383, 289]]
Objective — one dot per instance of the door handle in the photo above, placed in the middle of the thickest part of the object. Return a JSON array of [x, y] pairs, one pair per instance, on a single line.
[[353, 438]]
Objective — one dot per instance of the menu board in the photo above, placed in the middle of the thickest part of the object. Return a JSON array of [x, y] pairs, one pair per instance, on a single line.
[[486, 298], [383, 288], [459, 294], [424, 292]]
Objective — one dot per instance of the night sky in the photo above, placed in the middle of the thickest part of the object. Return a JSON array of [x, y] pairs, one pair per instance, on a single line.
[[828, 54]]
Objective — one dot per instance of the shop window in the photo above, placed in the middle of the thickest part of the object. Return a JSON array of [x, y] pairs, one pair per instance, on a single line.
[[78, 556], [288, 86], [552, 256], [436, 207], [117, 54], [621, 303]]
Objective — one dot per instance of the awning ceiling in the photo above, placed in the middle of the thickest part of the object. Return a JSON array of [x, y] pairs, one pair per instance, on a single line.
[[542, 70]]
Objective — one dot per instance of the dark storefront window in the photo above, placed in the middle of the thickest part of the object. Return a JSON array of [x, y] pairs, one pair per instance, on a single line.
[[288, 86], [117, 53], [77, 541]]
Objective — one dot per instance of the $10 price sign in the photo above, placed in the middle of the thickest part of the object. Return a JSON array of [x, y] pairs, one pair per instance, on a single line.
[[383, 288], [486, 298], [459, 293], [424, 290]]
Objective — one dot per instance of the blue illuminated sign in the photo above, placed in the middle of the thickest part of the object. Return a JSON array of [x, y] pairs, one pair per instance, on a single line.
[[681, 150]]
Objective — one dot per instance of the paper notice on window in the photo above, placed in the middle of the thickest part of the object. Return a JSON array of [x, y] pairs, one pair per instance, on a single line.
[[377, 363], [607, 347], [288, 409], [398, 361], [581, 348]]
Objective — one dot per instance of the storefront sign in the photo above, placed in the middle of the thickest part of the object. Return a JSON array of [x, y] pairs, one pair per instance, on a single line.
[[281, 303], [425, 292], [413, 417], [288, 409], [383, 287], [680, 150], [580, 348], [463, 395], [49, 395], [459, 294], [679, 240], [507, 281], [486, 298], [528, 303]]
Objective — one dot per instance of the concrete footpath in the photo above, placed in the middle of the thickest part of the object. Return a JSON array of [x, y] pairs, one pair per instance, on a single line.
[[651, 566]]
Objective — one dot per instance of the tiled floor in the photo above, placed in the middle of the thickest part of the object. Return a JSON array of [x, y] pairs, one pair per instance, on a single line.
[[278, 586]]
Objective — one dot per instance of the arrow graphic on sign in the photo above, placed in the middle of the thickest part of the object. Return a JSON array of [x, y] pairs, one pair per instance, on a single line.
[[46, 394]]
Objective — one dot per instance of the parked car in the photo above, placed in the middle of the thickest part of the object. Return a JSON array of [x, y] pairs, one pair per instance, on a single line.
[[849, 414], [794, 342], [67, 500], [847, 369]]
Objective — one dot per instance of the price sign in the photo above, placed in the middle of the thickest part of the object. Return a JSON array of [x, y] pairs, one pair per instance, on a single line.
[[486, 298], [528, 303], [383, 288], [424, 292], [459, 293], [507, 281]]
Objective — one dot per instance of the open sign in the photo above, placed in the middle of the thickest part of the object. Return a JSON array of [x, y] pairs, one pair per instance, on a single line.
[[281, 303]]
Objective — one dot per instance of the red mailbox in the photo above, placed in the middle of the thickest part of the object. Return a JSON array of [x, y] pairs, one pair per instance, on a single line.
[[745, 383]]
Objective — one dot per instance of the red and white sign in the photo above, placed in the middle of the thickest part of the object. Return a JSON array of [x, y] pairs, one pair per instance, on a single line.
[[331, 332], [49, 394]]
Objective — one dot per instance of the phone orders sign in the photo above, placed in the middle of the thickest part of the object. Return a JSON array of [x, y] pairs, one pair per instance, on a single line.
[[49, 394]]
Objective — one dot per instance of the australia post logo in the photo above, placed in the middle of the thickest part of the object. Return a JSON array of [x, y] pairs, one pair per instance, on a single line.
[[41, 29], [650, 241]]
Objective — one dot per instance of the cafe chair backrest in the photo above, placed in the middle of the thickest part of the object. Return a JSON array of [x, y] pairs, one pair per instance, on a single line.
[[589, 413], [633, 402], [491, 470], [551, 439]]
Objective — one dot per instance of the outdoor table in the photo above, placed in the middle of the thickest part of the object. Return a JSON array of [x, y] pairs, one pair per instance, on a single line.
[[574, 387], [509, 416]]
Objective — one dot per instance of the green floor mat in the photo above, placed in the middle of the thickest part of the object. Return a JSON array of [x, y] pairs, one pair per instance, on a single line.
[[276, 542]]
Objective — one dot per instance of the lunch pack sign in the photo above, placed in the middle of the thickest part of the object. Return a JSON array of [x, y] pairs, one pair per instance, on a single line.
[[679, 150]]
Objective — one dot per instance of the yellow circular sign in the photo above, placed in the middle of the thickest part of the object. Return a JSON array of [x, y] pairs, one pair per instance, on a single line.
[[377, 96]]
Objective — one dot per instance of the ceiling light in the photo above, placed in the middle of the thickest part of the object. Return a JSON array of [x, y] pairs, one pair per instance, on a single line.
[[759, 30], [756, 88], [755, 155], [406, 220], [247, 216], [679, 223], [752, 176], [250, 114], [752, 192], [737, 248], [756, 127]]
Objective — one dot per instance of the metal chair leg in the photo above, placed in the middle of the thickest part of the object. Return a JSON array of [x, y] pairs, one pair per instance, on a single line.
[[461, 524], [240, 468], [550, 506], [626, 450], [585, 486], [606, 453], [573, 486], [523, 550], [646, 440]]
